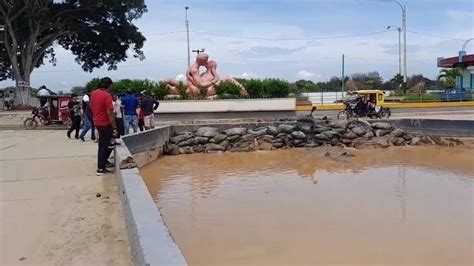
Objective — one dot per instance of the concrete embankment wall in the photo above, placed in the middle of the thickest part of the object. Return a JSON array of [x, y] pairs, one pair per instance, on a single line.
[[151, 242], [437, 127]]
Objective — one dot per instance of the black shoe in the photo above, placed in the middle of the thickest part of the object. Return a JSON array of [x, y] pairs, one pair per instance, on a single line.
[[77, 137], [93, 138], [101, 172], [69, 135], [82, 138]]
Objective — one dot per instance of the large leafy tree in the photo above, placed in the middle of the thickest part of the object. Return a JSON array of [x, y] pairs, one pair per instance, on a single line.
[[97, 32], [367, 81]]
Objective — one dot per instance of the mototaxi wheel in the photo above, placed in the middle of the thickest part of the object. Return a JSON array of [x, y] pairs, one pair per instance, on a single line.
[[385, 113], [30, 123], [343, 115]]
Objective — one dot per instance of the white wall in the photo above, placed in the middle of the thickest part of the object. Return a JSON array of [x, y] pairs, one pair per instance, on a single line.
[[235, 105]]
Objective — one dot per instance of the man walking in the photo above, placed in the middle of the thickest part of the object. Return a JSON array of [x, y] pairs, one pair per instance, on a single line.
[[149, 105], [104, 120], [118, 110], [130, 104], [87, 118], [75, 116]]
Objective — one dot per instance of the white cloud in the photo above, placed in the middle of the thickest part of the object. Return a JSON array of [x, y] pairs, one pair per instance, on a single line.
[[181, 77], [248, 75], [303, 74]]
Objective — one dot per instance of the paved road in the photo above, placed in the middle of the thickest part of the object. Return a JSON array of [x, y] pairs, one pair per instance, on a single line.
[[50, 212], [14, 120]]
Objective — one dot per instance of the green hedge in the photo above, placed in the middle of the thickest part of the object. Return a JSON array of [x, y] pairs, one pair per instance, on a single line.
[[135, 85], [267, 88]]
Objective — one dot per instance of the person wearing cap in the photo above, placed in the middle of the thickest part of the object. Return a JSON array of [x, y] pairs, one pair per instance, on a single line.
[[104, 120], [148, 105], [130, 118]]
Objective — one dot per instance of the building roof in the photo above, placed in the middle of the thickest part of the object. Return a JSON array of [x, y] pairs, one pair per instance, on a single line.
[[450, 62]]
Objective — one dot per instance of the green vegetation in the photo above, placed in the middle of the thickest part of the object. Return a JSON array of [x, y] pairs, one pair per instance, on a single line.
[[448, 76], [227, 90]]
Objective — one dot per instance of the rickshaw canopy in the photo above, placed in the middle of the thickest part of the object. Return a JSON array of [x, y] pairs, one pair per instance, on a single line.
[[378, 95]]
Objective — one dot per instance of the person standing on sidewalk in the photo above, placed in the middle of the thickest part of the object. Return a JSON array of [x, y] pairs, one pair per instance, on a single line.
[[130, 104], [118, 110], [104, 120], [75, 115], [87, 118], [149, 105]]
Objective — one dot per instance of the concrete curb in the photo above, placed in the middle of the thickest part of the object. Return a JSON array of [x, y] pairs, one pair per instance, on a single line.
[[333, 107], [437, 127], [150, 241]]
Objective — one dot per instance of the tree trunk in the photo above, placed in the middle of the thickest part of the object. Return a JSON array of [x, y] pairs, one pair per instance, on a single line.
[[23, 91]]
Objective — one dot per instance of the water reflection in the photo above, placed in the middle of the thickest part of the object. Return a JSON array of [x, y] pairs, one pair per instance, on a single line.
[[399, 206]]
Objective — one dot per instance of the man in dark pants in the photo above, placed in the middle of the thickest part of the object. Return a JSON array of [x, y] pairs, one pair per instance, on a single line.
[[75, 116], [104, 120]]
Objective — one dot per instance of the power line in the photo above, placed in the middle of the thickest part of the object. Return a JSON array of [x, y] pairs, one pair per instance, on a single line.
[[436, 36], [124, 66], [302, 39], [292, 39], [388, 60], [164, 33]]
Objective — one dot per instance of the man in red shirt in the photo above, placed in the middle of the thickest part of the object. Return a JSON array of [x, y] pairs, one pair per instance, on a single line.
[[104, 120]]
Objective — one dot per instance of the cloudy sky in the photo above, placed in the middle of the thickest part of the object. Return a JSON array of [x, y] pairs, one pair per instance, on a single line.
[[289, 39]]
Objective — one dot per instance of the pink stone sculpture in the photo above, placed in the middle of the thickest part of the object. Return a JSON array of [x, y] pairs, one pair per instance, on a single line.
[[206, 81]]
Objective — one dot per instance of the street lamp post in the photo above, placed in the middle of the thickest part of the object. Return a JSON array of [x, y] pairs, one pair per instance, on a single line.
[[187, 33], [404, 28], [399, 47]]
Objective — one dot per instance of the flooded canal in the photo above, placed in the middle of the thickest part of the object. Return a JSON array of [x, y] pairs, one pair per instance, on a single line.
[[411, 205]]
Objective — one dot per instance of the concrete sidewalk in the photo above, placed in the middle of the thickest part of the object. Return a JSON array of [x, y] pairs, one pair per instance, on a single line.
[[50, 212]]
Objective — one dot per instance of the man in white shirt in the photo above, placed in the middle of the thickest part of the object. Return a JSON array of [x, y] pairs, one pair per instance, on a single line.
[[42, 92], [118, 110]]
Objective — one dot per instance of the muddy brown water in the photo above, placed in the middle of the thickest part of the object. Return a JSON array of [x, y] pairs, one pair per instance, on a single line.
[[411, 205]]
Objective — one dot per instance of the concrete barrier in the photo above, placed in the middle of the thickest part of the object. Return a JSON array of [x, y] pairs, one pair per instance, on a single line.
[[150, 241], [146, 147], [231, 105], [437, 127]]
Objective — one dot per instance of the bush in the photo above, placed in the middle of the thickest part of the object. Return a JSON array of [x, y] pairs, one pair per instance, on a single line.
[[254, 87], [227, 89], [276, 88], [160, 90], [92, 84]]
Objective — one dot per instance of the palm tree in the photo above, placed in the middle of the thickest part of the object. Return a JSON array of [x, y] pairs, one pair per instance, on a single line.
[[397, 80], [444, 73], [449, 77]]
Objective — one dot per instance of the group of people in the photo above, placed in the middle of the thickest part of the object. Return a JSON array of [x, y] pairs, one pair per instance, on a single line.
[[111, 116]]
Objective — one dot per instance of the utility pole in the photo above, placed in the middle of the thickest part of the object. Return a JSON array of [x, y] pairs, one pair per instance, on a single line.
[[187, 32], [404, 26], [399, 47], [343, 79]]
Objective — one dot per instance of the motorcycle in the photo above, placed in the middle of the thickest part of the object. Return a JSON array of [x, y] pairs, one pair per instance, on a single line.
[[41, 116]]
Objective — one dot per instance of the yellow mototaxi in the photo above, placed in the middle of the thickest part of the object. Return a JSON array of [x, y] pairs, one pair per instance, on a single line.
[[365, 103]]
